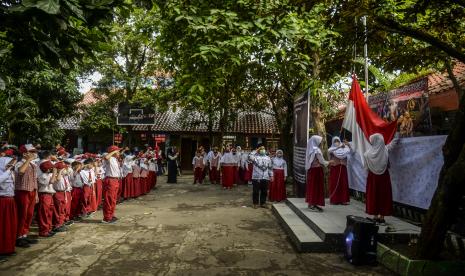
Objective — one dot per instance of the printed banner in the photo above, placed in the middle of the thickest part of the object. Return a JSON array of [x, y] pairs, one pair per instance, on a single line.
[[301, 126], [415, 164], [409, 105]]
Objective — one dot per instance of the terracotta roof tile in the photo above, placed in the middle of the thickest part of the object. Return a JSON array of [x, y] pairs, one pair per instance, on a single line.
[[440, 82], [69, 123], [90, 97], [246, 123]]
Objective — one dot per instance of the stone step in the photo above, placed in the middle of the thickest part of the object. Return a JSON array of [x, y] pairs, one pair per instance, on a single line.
[[301, 235], [330, 224]]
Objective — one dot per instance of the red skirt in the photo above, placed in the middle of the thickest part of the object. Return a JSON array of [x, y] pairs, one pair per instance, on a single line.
[[127, 186], [136, 186], [228, 176], [315, 192], [98, 191], [248, 173], [152, 179], [143, 185], [338, 185], [9, 224], [379, 194], [278, 186]]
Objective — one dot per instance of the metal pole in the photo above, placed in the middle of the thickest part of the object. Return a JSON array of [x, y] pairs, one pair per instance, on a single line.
[[365, 52]]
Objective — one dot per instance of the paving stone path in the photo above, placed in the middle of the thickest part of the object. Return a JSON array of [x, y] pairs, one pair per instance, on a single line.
[[179, 229]]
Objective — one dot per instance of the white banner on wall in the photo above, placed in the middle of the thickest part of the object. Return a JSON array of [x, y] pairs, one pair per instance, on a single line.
[[415, 164]]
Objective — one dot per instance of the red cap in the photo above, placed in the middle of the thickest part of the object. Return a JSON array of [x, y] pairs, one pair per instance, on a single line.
[[9, 152], [46, 166], [112, 149], [60, 165], [27, 148]]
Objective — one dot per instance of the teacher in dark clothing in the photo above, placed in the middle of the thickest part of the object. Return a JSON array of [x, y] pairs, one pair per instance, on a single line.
[[172, 161]]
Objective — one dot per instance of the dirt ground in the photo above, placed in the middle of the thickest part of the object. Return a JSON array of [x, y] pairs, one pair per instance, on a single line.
[[179, 229]]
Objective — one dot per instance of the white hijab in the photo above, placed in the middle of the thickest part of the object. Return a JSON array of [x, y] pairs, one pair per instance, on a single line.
[[312, 150], [376, 156], [339, 153]]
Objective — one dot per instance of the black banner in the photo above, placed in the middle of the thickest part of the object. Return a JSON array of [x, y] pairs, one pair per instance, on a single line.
[[301, 127], [129, 114]]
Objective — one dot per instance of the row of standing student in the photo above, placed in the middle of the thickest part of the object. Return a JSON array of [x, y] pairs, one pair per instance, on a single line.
[[237, 167], [376, 161], [66, 190]]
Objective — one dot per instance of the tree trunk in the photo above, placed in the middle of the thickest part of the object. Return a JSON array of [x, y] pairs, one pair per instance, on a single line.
[[286, 139], [444, 207]]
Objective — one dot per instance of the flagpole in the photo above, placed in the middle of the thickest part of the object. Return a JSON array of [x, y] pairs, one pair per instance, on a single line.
[[365, 53]]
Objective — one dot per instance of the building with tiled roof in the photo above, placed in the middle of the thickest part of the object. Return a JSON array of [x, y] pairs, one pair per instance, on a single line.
[[185, 130], [247, 122]]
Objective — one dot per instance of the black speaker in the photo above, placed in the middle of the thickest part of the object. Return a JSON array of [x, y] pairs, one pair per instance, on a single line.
[[360, 240]]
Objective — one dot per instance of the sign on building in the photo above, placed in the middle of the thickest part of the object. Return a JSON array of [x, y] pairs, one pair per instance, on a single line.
[[129, 114]]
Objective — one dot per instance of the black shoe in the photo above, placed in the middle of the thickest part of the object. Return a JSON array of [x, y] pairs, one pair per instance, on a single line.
[[312, 208], [60, 229], [77, 219], [8, 254], [69, 222], [113, 220], [49, 235], [21, 242], [31, 241], [319, 208], [371, 219]]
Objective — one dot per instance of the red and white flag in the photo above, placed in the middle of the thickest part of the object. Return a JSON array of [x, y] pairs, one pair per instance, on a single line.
[[362, 122]]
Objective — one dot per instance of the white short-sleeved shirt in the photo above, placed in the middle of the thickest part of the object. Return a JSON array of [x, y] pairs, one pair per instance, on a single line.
[[112, 168], [44, 183], [88, 177]]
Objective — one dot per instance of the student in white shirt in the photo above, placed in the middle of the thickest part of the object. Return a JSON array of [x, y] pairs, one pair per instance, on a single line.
[[111, 184], [47, 177], [87, 175]]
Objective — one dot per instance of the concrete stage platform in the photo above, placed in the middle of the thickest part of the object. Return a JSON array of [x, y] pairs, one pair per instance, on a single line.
[[311, 231]]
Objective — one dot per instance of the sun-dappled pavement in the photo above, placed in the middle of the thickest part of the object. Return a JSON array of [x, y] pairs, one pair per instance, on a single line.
[[179, 229]]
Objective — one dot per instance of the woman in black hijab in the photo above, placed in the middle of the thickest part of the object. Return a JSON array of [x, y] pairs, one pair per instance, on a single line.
[[172, 161]]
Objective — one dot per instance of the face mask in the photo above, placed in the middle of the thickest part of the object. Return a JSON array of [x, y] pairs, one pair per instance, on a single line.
[[337, 144], [262, 152], [280, 155]]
